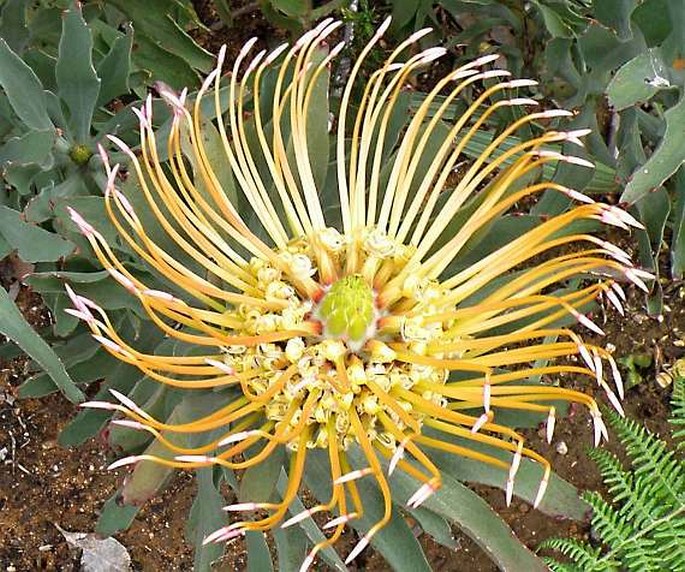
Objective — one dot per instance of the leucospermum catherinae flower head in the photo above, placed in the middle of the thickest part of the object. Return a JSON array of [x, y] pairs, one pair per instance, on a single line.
[[347, 323]]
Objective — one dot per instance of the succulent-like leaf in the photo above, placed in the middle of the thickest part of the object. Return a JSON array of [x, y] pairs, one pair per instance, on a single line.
[[114, 69], [310, 528], [653, 19], [560, 500], [112, 296], [13, 24], [205, 517], [42, 207], [678, 241], [89, 422], [436, 526], [396, 542], [259, 482], [115, 516], [654, 210], [638, 80], [291, 546], [474, 516], [14, 326], [258, 555], [95, 209], [23, 89], [32, 243], [560, 18], [148, 478], [77, 83], [80, 350], [156, 27], [665, 160], [615, 14], [34, 147]]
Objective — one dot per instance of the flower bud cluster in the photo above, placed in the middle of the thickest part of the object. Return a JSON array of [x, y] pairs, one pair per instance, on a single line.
[[332, 374]]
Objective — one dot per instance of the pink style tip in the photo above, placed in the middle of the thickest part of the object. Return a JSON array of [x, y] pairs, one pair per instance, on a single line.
[[358, 549], [85, 228], [353, 476], [106, 405], [125, 462]]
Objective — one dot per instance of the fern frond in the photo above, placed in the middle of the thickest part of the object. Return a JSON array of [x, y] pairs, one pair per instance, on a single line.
[[639, 500], [651, 457], [642, 528], [584, 556], [678, 410], [670, 541], [619, 483], [555, 566]]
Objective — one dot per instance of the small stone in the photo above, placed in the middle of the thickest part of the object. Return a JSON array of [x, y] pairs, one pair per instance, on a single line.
[[562, 448], [664, 379]]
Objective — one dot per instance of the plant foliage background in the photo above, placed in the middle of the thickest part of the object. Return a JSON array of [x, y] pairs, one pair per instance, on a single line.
[[69, 75]]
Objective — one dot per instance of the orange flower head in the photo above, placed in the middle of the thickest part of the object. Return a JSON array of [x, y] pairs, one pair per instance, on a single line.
[[348, 321]]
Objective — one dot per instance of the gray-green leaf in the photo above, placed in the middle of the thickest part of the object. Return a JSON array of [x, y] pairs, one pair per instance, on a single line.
[[665, 160], [77, 83], [23, 89], [14, 326], [115, 67], [206, 516], [258, 555], [32, 243], [638, 80], [474, 516], [32, 148]]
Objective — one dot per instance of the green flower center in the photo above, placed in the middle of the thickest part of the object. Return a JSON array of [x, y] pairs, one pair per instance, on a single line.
[[347, 311], [322, 382], [80, 154]]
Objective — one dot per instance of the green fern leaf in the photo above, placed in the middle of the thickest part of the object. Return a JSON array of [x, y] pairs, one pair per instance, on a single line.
[[584, 557], [678, 405], [651, 457], [642, 528]]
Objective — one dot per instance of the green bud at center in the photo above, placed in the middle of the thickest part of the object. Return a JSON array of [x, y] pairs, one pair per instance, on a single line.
[[80, 154], [347, 310]]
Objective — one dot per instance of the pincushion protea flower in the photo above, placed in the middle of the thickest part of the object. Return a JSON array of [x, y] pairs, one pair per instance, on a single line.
[[350, 330]]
